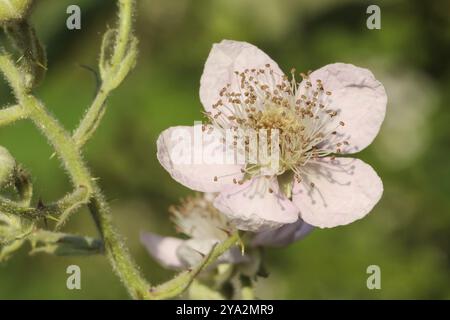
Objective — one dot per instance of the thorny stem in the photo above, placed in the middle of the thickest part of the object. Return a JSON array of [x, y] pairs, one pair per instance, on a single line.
[[10, 206], [181, 282], [116, 250], [67, 151], [87, 191]]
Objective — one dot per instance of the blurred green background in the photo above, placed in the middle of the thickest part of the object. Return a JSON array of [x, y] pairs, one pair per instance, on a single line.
[[407, 234]]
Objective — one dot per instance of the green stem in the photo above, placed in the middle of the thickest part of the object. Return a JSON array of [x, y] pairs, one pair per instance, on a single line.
[[116, 251], [86, 189], [60, 140], [67, 150], [124, 31], [180, 283], [15, 208], [11, 114], [92, 118], [112, 70]]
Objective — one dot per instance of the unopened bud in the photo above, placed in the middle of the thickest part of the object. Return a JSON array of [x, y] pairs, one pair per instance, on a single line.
[[33, 60], [7, 165], [14, 10]]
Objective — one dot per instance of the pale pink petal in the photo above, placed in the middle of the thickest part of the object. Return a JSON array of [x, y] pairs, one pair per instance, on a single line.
[[359, 99], [282, 236], [224, 59], [163, 249], [197, 159], [256, 205], [336, 192]]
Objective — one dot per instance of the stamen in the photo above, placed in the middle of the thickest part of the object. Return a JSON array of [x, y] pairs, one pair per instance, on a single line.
[[267, 100]]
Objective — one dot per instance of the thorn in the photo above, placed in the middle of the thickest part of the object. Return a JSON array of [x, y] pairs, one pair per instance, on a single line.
[[41, 65], [52, 218], [40, 205], [228, 232], [200, 253]]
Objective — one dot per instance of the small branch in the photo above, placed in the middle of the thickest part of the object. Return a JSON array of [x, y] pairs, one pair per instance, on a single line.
[[124, 32], [181, 282], [67, 148], [42, 211], [92, 119], [13, 75], [11, 207], [118, 255], [113, 69], [58, 137], [71, 203], [12, 114]]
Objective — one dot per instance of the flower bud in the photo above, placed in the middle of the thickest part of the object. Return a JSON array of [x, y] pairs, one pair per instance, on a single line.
[[14, 10], [10, 228], [12, 234], [33, 59], [7, 164]]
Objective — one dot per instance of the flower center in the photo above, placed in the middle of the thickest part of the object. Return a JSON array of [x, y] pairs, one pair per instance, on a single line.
[[306, 127]]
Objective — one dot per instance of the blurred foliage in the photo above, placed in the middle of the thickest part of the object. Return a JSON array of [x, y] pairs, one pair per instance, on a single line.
[[407, 234]]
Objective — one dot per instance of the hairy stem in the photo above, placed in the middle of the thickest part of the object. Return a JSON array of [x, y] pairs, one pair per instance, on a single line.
[[15, 208], [67, 150], [92, 118], [62, 143], [116, 251], [11, 114], [124, 31], [112, 69], [180, 283], [67, 147]]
